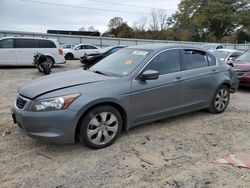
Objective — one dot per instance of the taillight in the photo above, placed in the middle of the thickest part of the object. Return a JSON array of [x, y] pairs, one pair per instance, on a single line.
[[60, 51]]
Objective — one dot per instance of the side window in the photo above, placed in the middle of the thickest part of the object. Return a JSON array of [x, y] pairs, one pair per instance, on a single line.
[[80, 47], [45, 44], [6, 43], [25, 43], [195, 59], [211, 60], [166, 62], [89, 47]]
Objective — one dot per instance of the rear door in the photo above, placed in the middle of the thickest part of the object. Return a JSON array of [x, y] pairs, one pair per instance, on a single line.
[[8, 54], [164, 96], [199, 80], [26, 49]]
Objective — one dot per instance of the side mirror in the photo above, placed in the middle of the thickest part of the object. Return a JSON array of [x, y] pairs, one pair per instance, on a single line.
[[149, 75]]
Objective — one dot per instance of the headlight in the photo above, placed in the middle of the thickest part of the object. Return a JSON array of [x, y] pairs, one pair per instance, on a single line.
[[51, 104]]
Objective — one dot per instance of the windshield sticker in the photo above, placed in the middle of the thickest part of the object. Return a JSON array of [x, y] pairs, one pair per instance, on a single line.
[[128, 62], [140, 53]]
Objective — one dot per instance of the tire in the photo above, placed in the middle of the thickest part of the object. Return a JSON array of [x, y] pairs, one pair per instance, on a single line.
[[220, 100], [50, 61], [45, 67], [69, 56], [40, 68], [101, 127]]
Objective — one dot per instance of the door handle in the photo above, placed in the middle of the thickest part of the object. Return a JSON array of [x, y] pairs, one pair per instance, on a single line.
[[178, 78], [215, 71]]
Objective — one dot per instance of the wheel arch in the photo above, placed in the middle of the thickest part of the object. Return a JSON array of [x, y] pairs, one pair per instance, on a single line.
[[50, 56], [69, 53], [113, 104], [226, 83]]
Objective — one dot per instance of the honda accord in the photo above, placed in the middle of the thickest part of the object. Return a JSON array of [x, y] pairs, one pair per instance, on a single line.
[[130, 87]]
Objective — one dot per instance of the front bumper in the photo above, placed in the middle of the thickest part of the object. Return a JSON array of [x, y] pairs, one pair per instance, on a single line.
[[51, 127]]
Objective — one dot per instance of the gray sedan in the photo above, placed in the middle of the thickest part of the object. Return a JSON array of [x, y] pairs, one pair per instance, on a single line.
[[130, 87]]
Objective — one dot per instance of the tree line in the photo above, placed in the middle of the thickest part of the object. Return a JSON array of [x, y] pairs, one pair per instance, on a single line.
[[195, 20]]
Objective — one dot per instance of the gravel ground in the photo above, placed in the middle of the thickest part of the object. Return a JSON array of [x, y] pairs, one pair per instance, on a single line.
[[176, 152]]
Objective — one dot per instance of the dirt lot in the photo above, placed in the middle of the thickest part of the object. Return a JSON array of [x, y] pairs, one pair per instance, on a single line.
[[176, 152]]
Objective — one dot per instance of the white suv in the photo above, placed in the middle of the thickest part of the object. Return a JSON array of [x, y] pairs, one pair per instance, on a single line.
[[80, 50], [20, 50]]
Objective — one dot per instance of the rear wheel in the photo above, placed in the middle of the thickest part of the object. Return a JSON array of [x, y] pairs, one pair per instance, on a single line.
[[69, 56], [101, 127], [220, 100]]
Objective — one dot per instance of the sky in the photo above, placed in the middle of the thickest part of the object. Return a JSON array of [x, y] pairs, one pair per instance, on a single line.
[[41, 15]]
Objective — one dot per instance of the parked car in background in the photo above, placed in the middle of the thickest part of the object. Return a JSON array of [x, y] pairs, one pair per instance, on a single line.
[[212, 46], [242, 66], [91, 59], [133, 86], [79, 50], [226, 54], [21, 50]]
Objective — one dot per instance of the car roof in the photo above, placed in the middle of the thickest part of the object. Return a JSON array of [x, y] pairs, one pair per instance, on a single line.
[[163, 46], [85, 44], [26, 38]]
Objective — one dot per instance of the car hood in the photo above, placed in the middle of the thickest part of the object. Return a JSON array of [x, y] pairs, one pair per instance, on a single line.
[[57, 81], [242, 66]]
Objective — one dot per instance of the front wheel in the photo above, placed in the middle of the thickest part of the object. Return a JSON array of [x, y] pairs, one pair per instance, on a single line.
[[45, 68], [50, 61], [220, 100], [101, 127]]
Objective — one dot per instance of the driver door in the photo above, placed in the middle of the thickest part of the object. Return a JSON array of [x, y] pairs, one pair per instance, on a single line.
[[154, 99]]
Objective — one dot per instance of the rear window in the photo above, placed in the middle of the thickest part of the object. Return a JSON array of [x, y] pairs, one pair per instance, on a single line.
[[6, 43], [45, 44], [89, 47], [25, 43], [195, 59]]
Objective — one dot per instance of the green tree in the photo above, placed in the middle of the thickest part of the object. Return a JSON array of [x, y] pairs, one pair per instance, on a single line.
[[118, 28], [114, 23], [210, 19]]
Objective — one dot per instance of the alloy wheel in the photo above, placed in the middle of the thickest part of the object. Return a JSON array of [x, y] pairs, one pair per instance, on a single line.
[[102, 128], [221, 99]]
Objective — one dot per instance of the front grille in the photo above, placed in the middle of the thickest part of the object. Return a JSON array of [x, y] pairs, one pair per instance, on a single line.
[[20, 102], [241, 72]]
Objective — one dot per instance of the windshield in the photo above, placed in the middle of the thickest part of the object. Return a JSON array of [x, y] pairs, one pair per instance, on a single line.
[[222, 55], [244, 57], [121, 63], [103, 50]]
